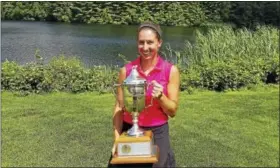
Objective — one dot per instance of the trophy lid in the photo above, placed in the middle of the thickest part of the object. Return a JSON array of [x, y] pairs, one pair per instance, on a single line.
[[134, 77]]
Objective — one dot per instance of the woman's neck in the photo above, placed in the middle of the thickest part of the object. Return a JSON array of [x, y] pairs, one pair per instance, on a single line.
[[148, 65]]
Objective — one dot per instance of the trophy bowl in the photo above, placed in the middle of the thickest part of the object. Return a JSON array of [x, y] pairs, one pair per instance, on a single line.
[[134, 95], [134, 102], [134, 98]]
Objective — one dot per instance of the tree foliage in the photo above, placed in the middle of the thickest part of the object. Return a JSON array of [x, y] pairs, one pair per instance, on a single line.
[[182, 13], [252, 14]]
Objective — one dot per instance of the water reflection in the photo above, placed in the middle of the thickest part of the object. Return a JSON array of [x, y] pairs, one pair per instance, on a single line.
[[93, 44]]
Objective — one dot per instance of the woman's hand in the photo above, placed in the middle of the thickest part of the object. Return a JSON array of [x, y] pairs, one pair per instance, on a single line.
[[157, 89]]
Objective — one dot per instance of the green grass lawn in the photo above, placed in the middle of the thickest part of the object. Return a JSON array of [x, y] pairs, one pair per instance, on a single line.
[[210, 129]]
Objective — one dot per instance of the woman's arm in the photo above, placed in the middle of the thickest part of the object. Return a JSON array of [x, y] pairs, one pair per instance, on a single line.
[[169, 104], [118, 111]]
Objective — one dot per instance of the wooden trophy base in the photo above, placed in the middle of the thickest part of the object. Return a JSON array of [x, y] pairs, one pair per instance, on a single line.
[[131, 149]]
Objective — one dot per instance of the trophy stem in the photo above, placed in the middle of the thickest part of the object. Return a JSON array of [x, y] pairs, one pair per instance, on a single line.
[[135, 130]]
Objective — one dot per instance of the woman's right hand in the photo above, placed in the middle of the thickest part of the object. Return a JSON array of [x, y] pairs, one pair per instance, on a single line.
[[114, 149], [117, 135]]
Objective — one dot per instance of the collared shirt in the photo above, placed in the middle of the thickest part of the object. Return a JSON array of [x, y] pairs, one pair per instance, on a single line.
[[153, 115]]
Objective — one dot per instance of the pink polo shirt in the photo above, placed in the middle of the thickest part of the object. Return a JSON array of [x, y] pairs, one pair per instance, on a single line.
[[153, 115]]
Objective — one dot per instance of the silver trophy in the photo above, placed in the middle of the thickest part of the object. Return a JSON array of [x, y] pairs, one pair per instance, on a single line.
[[134, 90], [135, 145]]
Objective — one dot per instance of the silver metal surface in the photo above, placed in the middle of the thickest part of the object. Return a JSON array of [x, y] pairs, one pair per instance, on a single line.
[[134, 77], [134, 90]]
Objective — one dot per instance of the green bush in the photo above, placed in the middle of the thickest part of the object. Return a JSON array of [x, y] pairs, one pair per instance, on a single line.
[[63, 73], [225, 59], [10, 75], [60, 74]]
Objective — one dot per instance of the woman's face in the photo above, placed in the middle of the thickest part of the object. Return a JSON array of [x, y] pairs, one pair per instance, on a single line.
[[148, 44]]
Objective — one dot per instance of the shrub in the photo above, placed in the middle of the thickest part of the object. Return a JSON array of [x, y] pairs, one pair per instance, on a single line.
[[60, 74], [10, 75], [225, 59]]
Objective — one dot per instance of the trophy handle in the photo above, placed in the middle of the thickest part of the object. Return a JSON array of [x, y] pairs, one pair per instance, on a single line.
[[115, 94], [152, 99], [115, 85]]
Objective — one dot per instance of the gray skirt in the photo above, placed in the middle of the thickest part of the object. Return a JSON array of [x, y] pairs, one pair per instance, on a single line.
[[161, 139]]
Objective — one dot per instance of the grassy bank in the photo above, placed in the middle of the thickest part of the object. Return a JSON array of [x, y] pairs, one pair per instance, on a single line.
[[211, 129]]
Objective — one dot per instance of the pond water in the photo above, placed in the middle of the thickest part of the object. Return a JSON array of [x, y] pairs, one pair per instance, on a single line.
[[92, 44]]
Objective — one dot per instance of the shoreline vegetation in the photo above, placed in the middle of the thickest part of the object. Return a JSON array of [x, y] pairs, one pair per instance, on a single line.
[[243, 58]]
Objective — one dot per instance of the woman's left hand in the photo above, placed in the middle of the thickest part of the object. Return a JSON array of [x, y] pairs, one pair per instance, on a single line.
[[157, 89]]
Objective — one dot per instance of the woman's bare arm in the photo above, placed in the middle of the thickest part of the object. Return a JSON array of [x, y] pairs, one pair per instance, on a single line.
[[169, 103]]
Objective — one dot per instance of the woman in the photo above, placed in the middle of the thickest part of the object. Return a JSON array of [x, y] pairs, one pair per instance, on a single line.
[[165, 81]]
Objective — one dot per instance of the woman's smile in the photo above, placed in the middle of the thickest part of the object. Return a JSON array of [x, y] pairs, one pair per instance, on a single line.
[[146, 53]]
